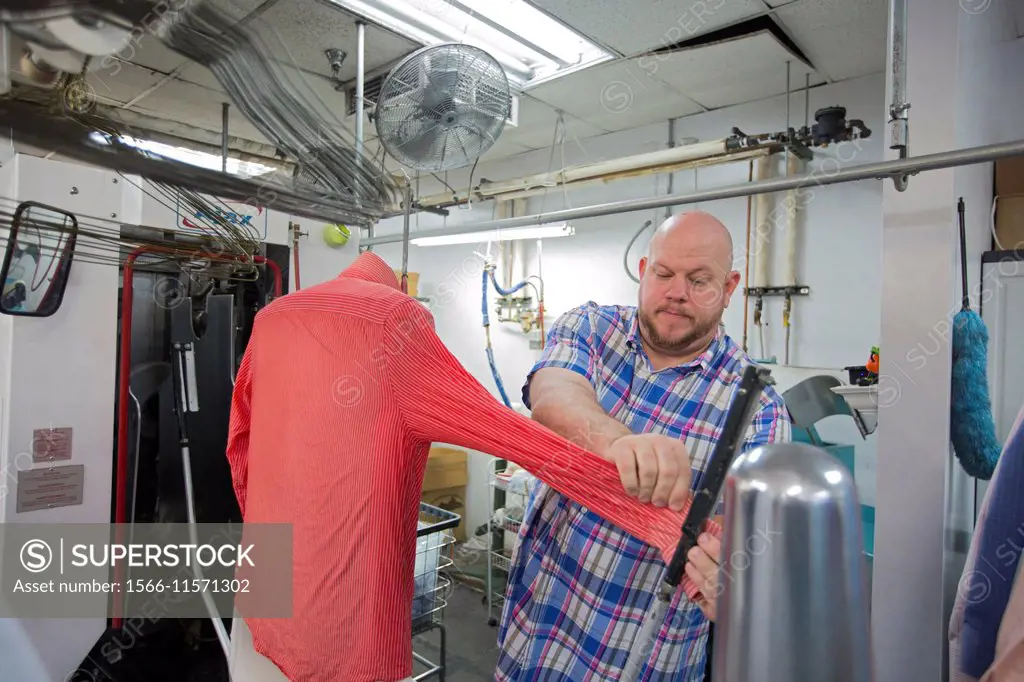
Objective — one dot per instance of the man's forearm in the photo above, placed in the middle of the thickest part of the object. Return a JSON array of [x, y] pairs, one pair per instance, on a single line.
[[575, 415]]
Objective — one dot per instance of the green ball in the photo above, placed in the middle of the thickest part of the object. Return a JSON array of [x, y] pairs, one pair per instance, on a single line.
[[336, 235]]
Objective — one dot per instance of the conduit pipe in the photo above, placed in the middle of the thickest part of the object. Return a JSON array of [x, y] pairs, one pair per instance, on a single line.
[[662, 161], [869, 171], [124, 372]]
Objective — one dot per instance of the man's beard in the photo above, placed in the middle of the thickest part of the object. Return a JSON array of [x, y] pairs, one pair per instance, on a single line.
[[698, 331]]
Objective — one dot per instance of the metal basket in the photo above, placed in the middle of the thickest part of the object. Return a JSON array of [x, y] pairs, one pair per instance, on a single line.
[[434, 540]]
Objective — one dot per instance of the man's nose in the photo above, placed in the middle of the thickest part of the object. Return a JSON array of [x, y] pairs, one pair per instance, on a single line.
[[678, 290]]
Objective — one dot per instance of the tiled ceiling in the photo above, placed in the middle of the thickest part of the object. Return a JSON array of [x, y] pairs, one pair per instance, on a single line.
[[633, 28], [838, 39]]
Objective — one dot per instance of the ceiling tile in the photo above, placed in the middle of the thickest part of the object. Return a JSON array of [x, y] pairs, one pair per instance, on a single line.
[[119, 82], [505, 146], [733, 71], [621, 94], [633, 30], [148, 51], [842, 39], [197, 106], [298, 32], [536, 127]]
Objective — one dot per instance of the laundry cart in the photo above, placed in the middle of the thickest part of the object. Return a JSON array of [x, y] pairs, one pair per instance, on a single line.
[[434, 541]]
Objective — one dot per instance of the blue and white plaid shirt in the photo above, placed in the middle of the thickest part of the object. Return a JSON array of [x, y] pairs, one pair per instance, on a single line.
[[579, 587]]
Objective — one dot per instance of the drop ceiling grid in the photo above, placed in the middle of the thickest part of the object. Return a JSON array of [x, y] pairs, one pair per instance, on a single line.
[[611, 95], [299, 31], [733, 71], [843, 39], [637, 26], [537, 121], [197, 106]]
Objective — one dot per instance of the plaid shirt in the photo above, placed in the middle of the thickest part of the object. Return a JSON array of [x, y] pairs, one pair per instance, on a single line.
[[580, 587]]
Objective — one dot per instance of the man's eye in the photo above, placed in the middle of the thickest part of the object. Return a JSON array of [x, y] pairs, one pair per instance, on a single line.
[[700, 282], [664, 275]]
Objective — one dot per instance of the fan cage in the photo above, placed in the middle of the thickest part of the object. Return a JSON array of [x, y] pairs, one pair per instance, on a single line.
[[443, 107]]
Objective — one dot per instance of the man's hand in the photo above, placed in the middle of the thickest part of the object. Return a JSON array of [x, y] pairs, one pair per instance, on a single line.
[[653, 468], [702, 568]]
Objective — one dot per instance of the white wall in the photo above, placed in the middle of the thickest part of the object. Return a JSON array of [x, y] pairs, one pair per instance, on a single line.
[[59, 371], [840, 256]]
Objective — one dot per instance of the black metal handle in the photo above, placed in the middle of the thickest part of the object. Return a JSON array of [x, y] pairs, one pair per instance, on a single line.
[[966, 301], [736, 421]]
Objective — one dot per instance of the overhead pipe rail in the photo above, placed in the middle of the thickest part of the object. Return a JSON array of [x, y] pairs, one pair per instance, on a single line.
[[895, 169], [830, 127]]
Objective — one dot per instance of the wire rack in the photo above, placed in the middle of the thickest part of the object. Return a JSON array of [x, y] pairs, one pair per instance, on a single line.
[[435, 539], [499, 558]]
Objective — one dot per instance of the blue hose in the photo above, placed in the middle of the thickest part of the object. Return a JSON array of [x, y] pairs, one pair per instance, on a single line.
[[506, 292], [490, 351]]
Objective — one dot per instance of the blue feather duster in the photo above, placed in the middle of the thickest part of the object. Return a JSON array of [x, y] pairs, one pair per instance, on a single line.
[[971, 427]]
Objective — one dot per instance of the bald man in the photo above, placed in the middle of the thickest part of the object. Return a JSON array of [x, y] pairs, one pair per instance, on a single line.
[[648, 388]]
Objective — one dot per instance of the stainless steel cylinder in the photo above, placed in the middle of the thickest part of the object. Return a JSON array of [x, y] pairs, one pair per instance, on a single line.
[[794, 600]]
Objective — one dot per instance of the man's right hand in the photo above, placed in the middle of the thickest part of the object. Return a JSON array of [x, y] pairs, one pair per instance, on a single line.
[[653, 468]]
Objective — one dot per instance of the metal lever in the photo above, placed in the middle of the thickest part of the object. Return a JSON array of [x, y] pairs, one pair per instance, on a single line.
[[736, 421]]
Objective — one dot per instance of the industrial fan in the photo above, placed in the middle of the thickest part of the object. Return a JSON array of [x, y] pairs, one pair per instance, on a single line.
[[442, 107]]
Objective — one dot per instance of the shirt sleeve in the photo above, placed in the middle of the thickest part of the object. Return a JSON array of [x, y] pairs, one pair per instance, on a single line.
[[238, 426], [441, 402], [568, 346]]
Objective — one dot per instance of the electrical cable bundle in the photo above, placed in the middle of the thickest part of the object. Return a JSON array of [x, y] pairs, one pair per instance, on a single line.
[[238, 57], [342, 184]]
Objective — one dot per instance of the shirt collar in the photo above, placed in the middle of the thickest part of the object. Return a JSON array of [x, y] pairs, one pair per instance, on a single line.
[[704, 361], [371, 268]]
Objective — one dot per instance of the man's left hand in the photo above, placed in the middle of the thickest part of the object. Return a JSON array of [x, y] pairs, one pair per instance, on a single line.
[[702, 567]]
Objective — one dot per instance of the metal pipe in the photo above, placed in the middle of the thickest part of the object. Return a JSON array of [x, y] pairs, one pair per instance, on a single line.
[[405, 237], [661, 161], [224, 137], [807, 102], [360, 86], [671, 176], [899, 124], [869, 171]]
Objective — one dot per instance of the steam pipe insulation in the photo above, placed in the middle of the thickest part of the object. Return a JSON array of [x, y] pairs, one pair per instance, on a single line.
[[487, 334], [762, 237], [793, 168]]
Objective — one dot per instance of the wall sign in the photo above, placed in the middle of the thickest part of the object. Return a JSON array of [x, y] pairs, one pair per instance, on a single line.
[[51, 445], [250, 218], [62, 486]]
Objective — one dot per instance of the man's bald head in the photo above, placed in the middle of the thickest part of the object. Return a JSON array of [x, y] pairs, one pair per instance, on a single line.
[[686, 282], [695, 231]]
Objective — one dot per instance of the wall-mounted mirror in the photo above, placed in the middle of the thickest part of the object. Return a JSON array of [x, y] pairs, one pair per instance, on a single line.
[[37, 261]]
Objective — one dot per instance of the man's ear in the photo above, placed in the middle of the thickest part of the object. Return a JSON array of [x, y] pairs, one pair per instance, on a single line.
[[730, 286], [643, 266]]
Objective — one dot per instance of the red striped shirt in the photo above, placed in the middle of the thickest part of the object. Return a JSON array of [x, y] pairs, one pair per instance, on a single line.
[[342, 389]]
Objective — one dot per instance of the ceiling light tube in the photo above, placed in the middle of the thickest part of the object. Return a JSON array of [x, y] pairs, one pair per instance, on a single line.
[[424, 28], [537, 232]]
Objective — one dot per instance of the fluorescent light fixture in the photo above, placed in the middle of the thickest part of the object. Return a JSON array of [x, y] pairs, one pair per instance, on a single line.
[[538, 232], [192, 157], [528, 43]]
